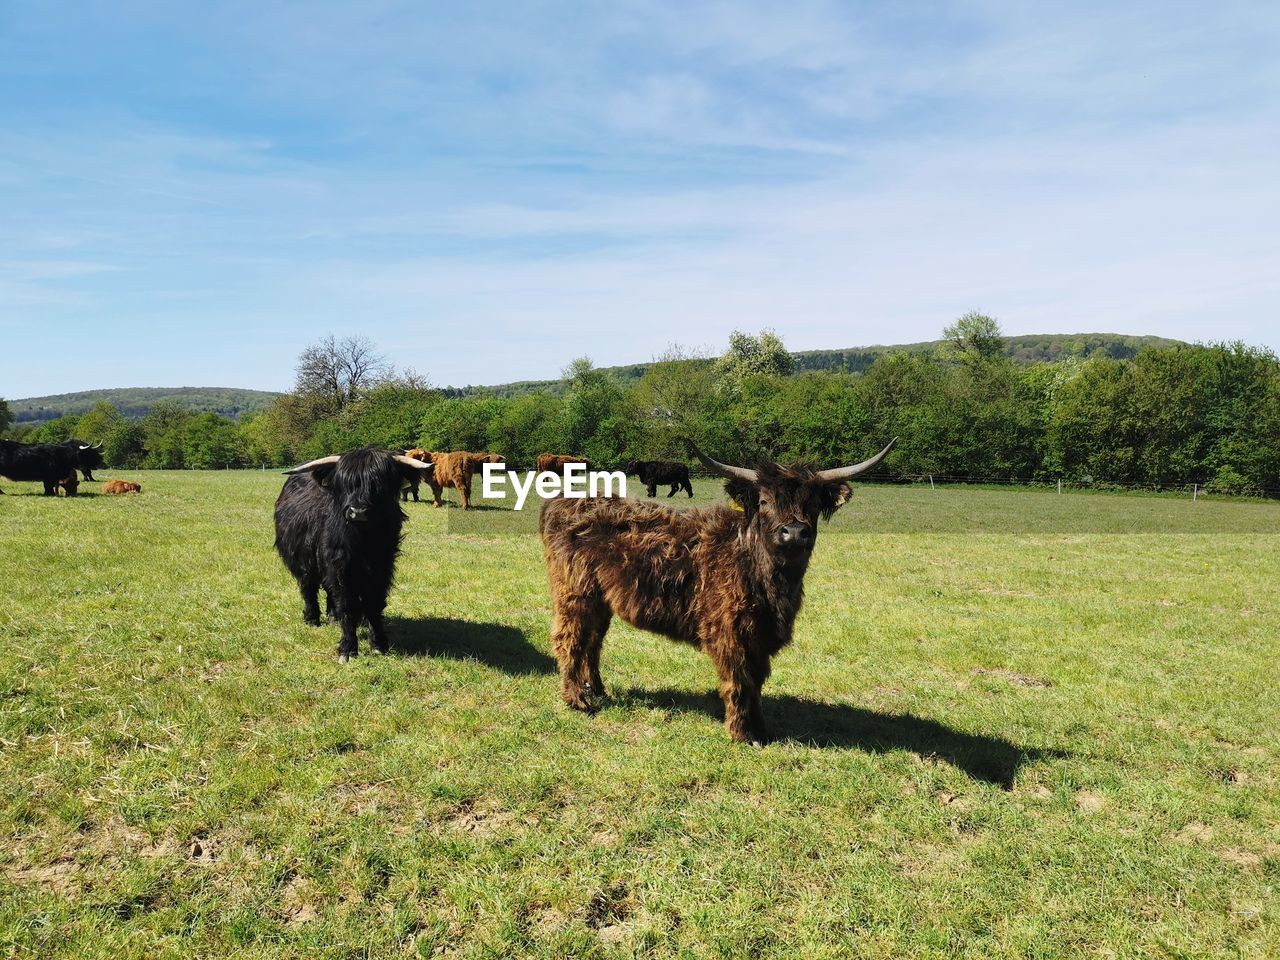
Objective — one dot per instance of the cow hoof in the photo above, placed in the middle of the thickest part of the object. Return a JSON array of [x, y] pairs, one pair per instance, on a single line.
[[346, 657], [380, 651]]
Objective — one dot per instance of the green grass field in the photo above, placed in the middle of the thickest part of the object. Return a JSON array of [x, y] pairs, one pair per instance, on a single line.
[[1058, 740]]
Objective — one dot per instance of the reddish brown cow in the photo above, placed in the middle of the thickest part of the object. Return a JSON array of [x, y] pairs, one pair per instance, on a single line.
[[728, 581], [555, 463], [70, 485], [117, 487], [454, 469]]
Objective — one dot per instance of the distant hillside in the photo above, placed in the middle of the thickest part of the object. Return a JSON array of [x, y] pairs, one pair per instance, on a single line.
[[135, 402], [1026, 349]]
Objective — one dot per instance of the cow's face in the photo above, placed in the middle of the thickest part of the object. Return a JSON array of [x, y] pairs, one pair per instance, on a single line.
[[783, 507], [783, 504], [365, 484]]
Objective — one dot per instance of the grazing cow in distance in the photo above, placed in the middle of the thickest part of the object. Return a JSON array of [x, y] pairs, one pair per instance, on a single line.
[[117, 487], [47, 463], [665, 472], [88, 456], [338, 526], [555, 463], [412, 484], [457, 470], [728, 581]]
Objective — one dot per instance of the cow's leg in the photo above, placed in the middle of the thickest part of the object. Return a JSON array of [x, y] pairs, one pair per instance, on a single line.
[[741, 676], [675, 488], [651, 490], [349, 613], [436, 490], [374, 604], [310, 590], [689, 487], [576, 637], [464, 491], [330, 612], [51, 489]]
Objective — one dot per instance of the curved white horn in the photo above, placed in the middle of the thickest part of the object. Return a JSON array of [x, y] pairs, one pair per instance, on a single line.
[[742, 473], [315, 464], [410, 462], [848, 473]]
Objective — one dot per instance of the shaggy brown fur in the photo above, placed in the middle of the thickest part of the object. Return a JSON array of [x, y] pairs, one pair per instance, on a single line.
[[556, 463], [70, 485], [729, 581], [116, 487], [455, 470]]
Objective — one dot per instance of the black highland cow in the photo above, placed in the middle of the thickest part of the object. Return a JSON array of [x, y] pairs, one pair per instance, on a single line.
[[47, 463], [88, 456], [338, 523], [653, 473]]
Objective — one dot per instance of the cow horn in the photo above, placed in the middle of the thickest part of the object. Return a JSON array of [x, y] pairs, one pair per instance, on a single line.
[[85, 446], [848, 473], [410, 462], [742, 473], [100, 444], [315, 464]]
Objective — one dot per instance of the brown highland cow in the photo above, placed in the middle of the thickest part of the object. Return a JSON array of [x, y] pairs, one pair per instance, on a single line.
[[728, 581], [451, 470], [555, 463]]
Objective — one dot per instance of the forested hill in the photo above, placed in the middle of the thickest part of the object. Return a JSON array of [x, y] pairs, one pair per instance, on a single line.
[[136, 402], [1026, 349]]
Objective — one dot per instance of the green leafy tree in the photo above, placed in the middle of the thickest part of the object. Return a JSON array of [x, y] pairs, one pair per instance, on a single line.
[[753, 356], [6, 416], [975, 334]]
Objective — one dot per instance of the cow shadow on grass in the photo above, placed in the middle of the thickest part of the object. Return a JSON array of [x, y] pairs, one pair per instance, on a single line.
[[993, 760], [496, 645]]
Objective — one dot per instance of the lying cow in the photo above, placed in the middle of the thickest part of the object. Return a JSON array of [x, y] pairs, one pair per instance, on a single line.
[[653, 473], [728, 581], [116, 488], [338, 526]]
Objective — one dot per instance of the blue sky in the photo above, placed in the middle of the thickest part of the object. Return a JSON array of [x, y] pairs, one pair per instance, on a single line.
[[191, 193]]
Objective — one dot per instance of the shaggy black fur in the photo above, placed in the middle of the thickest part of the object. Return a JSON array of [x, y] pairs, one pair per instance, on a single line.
[[339, 526], [47, 463], [88, 457]]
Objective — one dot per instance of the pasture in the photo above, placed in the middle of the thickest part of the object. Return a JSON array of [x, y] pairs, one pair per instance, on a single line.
[[1012, 724]]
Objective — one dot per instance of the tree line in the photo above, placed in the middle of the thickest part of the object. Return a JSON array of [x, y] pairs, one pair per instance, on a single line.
[[1206, 414]]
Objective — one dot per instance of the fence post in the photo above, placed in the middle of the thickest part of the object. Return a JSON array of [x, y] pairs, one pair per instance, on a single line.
[[931, 486], [1059, 486], [1195, 491]]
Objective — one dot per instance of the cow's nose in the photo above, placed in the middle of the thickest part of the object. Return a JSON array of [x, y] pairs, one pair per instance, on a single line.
[[797, 534]]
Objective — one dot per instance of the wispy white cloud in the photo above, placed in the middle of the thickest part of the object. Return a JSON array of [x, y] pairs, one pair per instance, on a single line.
[[489, 192]]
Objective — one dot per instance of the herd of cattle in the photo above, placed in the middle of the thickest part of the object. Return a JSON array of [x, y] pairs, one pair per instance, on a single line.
[[57, 465], [726, 579], [729, 581]]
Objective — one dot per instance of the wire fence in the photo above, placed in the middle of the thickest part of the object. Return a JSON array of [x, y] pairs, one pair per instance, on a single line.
[[1192, 489]]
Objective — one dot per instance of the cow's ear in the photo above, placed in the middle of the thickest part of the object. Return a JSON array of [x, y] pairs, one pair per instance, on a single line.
[[832, 496], [745, 495]]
